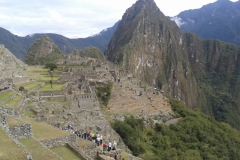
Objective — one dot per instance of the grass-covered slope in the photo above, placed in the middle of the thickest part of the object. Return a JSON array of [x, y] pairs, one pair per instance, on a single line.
[[43, 51], [91, 52], [195, 136]]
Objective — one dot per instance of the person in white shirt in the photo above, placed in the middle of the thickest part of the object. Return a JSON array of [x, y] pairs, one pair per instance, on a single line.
[[109, 146], [114, 146]]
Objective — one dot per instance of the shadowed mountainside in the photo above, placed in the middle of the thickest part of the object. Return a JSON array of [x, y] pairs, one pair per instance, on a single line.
[[200, 73], [218, 20]]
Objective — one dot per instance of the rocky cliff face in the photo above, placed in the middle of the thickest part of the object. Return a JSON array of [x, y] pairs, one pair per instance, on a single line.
[[154, 49], [42, 51], [150, 45], [8, 60]]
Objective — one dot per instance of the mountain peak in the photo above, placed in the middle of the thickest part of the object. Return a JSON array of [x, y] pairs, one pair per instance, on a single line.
[[42, 51]]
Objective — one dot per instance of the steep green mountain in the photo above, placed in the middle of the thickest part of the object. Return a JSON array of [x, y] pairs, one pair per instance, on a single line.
[[43, 51], [200, 73], [92, 52], [19, 45], [195, 136], [218, 20]]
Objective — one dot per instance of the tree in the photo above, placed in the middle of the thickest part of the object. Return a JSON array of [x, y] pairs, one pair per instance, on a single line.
[[50, 66], [21, 88], [50, 83]]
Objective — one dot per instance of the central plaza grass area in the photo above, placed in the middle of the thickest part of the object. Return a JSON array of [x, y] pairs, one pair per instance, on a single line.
[[6, 94], [55, 87], [14, 101], [43, 131], [65, 152], [37, 151], [32, 85], [9, 149]]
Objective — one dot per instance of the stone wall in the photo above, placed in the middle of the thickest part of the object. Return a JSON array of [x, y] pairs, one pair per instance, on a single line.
[[66, 77], [21, 131], [59, 141], [54, 98], [49, 93], [3, 119], [77, 151], [9, 111], [6, 74], [17, 80]]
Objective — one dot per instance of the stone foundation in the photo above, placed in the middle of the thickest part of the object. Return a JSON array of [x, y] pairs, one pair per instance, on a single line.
[[50, 93], [21, 131], [59, 141], [3, 119], [9, 111]]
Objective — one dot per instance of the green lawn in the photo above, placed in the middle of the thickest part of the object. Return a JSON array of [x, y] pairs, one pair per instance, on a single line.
[[55, 87], [48, 78], [30, 103], [29, 113], [9, 149], [66, 153], [32, 85], [14, 101], [84, 143], [6, 95], [43, 131], [37, 151], [13, 122]]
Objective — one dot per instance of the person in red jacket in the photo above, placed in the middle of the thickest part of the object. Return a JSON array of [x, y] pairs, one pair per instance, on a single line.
[[105, 146]]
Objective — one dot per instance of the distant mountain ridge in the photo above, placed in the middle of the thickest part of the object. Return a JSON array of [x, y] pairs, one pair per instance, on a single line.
[[218, 20], [19, 45]]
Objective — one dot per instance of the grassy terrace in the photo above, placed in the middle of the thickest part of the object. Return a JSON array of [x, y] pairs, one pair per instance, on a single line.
[[84, 143], [13, 122], [14, 101], [65, 153], [43, 131], [48, 78], [5, 95], [37, 151], [55, 87], [9, 149], [32, 85], [29, 113]]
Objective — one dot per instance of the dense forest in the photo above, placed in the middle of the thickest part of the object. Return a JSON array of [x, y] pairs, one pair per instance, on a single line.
[[195, 136]]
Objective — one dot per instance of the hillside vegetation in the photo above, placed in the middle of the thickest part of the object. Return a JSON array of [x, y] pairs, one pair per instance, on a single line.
[[43, 51], [91, 52], [195, 136]]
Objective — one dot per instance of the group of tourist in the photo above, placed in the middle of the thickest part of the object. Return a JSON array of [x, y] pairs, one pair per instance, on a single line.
[[110, 146], [91, 136]]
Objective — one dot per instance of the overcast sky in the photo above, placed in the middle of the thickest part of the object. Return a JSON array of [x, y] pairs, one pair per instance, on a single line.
[[76, 18]]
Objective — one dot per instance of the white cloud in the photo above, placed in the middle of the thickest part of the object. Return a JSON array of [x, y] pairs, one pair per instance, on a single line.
[[75, 18], [178, 21]]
